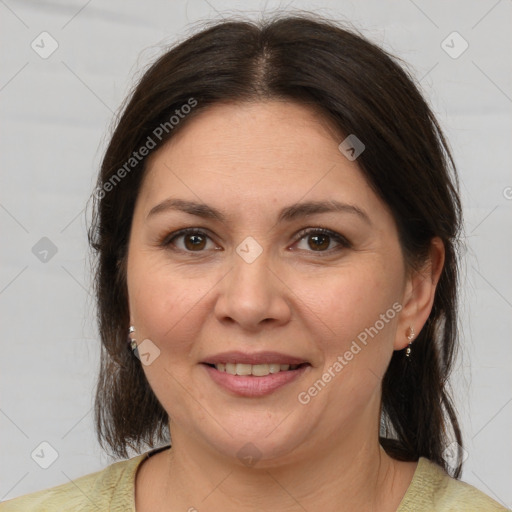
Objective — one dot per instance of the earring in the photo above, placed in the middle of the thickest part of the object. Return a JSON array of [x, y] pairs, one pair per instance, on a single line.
[[410, 337], [132, 341]]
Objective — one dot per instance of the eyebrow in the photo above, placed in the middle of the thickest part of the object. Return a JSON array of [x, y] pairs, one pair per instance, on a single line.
[[287, 214]]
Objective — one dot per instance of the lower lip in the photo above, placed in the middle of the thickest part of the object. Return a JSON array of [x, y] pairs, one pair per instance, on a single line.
[[250, 386]]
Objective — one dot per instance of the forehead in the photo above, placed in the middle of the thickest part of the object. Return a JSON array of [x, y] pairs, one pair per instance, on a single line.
[[254, 153]]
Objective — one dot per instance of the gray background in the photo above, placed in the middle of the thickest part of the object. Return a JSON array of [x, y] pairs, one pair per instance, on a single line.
[[57, 112]]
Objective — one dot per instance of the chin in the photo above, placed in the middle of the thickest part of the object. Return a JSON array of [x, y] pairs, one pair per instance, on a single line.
[[260, 444]]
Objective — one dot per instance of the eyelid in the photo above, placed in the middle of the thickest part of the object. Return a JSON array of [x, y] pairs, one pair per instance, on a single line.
[[167, 240], [339, 238]]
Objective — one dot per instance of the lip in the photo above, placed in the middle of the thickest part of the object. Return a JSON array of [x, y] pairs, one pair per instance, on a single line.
[[255, 358], [250, 386]]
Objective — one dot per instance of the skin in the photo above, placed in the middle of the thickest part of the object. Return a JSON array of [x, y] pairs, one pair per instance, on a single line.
[[249, 161]]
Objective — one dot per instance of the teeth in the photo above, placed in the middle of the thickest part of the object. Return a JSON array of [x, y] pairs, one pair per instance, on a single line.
[[274, 368], [260, 370], [243, 369], [257, 370]]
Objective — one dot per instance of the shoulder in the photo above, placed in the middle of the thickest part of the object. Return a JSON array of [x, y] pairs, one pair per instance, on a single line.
[[433, 490], [109, 489]]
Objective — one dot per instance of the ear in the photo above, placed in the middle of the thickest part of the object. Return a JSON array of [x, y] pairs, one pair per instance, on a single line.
[[419, 293]]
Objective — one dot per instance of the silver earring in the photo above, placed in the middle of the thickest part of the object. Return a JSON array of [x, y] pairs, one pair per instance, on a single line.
[[132, 341], [410, 337]]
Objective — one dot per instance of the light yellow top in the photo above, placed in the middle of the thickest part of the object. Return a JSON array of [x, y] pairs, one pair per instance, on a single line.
[[113, 489]]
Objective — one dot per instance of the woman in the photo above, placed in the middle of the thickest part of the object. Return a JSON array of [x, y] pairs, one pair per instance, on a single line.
[[276, 226]]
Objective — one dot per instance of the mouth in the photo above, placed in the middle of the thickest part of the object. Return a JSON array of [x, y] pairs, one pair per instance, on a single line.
[[254, 375], [255, 370]]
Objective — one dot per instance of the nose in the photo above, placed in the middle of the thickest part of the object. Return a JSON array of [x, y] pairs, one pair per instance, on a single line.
[[253, 296]]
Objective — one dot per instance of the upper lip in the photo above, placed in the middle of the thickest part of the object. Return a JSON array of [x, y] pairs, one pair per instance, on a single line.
[[255, 358]]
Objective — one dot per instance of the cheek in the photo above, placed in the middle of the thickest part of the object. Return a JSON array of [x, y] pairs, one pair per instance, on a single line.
[[166, 305], [352, 298], [354, 313]]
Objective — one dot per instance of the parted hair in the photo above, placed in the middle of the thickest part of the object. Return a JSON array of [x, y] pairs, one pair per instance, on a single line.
[[363, 90]]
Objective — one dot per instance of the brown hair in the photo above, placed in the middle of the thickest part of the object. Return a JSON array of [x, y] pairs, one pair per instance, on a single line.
[[363, 90]]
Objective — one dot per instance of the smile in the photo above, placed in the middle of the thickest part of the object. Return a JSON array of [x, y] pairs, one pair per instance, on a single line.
[[257, 376], [256, 370]]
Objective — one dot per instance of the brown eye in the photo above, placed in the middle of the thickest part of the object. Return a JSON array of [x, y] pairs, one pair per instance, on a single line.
[[189, 240], [194, 242], [319, 242]]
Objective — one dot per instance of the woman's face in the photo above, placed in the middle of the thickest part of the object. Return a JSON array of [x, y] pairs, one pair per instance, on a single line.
[[270, 274]]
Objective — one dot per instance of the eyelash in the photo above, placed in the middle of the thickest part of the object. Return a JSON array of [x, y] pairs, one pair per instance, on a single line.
[[341, 240]]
